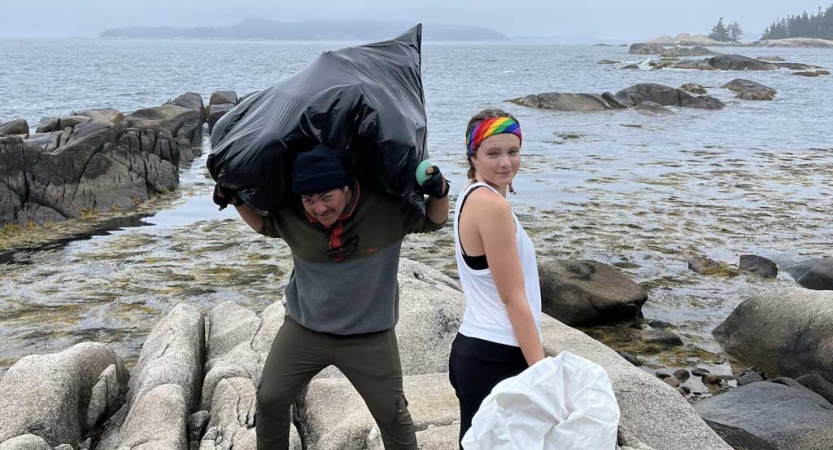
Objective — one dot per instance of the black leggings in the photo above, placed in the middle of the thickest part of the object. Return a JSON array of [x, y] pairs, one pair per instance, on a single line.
[[475, 367]]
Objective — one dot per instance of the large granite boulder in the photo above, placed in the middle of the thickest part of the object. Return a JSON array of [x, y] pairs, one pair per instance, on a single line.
[[770, 416], [569, 102], [665, 96], [750, 90], [691, 64], [652, 413], [579, 292], [238, 344], [95, 166], [232, 421], [223, 97], [48, 125], [787, 332], [164, 387], [649, 108], [334, 415], [17, 126], [646, 49], [739, 62], [216, 112], [676, 52], [62, 396], [25, 442], [106, 116], [813, 274]]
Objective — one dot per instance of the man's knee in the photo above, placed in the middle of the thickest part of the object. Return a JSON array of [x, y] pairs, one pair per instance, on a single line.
[[273, 397]]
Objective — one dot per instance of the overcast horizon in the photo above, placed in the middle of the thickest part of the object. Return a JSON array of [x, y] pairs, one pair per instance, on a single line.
[[620, 21]]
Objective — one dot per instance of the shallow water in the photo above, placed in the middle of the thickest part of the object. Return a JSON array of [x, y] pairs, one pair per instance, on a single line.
[[640, 192]]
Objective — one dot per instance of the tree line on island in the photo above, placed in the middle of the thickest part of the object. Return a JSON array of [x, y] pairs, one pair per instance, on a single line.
[[818, 25]]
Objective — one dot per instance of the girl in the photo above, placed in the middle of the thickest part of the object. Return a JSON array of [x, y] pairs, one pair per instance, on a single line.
[[500, 335]]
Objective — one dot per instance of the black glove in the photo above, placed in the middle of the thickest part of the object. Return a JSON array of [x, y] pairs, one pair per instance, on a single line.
[[224, 197], [433, 186]]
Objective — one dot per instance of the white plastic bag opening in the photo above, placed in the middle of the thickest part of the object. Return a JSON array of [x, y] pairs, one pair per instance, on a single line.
[[561, 403]]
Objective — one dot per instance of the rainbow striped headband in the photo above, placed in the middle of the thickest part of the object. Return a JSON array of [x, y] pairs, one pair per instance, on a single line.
[[490, 127]]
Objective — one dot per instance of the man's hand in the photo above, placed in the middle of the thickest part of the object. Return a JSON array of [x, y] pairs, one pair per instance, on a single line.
[[224, 197], [435, 185]]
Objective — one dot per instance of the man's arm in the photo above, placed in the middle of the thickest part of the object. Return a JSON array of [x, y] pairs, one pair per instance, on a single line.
[[253, 219], [437, 208]]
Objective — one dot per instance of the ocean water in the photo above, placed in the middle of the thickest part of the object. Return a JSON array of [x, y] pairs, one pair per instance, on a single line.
[[644, 193]]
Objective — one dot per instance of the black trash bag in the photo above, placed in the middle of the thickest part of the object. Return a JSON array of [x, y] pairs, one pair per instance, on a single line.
[[366, 102]]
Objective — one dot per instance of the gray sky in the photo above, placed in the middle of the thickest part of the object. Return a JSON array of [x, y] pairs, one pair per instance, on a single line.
[[623, 20]]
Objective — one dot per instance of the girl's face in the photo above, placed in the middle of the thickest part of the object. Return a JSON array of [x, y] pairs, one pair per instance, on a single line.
[[498, 159]]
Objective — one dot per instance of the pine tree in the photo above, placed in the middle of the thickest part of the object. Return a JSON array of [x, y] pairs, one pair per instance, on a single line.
[[735, 32], [719, 32]]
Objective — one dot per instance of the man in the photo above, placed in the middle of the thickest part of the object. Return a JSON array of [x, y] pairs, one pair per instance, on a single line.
[[342, 299]]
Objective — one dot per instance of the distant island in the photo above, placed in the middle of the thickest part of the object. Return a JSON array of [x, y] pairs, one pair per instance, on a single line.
[[309, 31]]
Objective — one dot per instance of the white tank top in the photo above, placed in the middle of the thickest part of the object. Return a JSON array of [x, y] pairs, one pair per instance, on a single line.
[[486, 317]]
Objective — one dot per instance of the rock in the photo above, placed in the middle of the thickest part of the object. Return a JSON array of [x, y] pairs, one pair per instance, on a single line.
[[607, 61], [697, 50], [165, 385], [232, 422], [72, 121], [335, 416], [673, 382], [682, 375], [807, 73], [813, 274], [17, 126], [703, 265], [192, 101], [646, 49], [783, 332], [61, 396], [97, 167], [698, 372], [770, 58], [769, 415], [64, 447], [428, 321], [693, 88], [739, 62], [439, 438], [796, 66], [580, 292], [749, 377], [104, 116], [691, 65], [631, 67], [740, 85], [215, 112], [197, 424], [665, 96], [659, 324], [223, 97], [25, 442], [822, 72], [649, 108], [755, 95], [650, 411], [817, 384], [661, 337], [758, 265], [795, 42], [630, 358], [48, 124], [238, 343], [567, 102], [47, 142]]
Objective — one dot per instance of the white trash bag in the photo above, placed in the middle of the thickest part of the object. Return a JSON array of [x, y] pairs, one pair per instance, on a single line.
[[561, 403]]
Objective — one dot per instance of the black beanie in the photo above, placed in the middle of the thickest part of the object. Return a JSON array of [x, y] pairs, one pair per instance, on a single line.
[[317, 170]]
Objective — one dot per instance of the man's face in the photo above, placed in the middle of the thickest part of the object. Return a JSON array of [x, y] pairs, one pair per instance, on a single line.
[[325, 207]]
